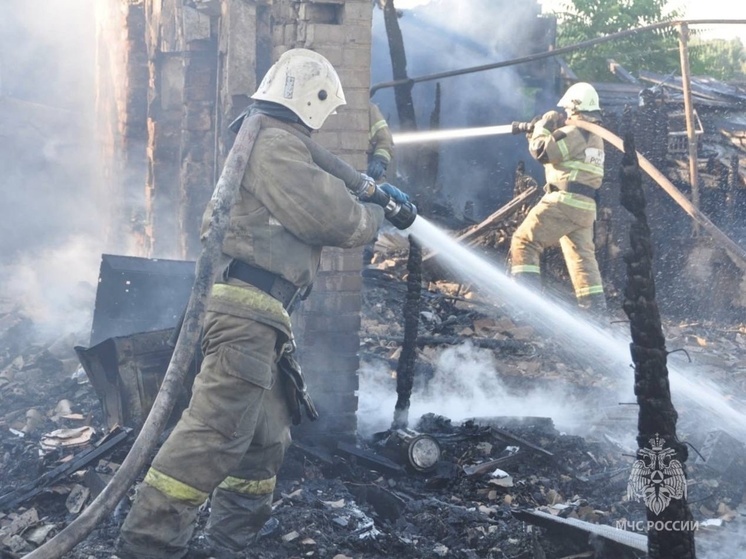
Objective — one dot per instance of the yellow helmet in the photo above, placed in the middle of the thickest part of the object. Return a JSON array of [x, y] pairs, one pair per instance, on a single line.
[[580, 97], [306, 83]]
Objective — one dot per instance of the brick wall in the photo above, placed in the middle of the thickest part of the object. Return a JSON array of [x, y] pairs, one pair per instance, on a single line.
[[328, 324]]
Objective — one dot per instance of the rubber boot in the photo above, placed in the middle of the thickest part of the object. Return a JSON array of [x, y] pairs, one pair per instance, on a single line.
[[530, 280], [156, 527], [236, 518], [594, 305]]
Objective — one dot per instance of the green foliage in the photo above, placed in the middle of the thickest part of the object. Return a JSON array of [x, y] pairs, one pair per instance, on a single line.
[[655, 50], [717, 58]]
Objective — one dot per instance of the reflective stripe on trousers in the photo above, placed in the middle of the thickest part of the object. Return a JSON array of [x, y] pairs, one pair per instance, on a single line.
[[234, 433], [567, 219]]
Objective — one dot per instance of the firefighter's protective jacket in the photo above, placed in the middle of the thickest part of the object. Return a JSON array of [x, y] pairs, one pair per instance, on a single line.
[[380, 140], [573, 161], [569, 154], [288, 208]]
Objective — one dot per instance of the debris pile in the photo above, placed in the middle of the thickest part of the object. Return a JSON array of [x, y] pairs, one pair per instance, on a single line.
[[502, 483]]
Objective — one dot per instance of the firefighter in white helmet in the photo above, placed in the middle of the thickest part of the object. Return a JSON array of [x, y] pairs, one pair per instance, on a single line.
[[573, 161], [231, 440]]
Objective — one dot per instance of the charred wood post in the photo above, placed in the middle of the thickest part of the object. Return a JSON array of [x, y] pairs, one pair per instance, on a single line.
[[659, 474], [405, 367], [402, 92]]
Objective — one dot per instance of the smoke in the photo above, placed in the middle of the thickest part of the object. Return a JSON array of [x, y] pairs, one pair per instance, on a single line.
[[445, 35], [466, 384], [55, 288], [52, 226]]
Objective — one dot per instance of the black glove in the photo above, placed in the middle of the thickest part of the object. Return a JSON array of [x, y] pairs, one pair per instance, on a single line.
[[396, 194], [553, 120], [294, 385], [377, 167], [531, 125]]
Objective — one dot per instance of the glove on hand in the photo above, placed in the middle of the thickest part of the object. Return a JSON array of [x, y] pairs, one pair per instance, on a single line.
[[396, 194], [532, 126], [553, 120], [377, 167]]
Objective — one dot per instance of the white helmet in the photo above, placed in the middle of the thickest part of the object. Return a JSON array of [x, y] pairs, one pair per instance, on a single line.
[[306, 83], [580, 97]]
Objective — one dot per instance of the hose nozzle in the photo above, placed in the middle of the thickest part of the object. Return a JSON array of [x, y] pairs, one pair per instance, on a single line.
[[521, 127], [400, 214]]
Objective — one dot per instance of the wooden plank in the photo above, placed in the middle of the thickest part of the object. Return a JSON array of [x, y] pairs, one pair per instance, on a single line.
[[503, 213]]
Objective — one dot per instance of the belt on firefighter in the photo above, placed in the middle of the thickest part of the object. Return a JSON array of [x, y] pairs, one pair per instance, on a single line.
[[576, 188], [582, 189], [273, 284]]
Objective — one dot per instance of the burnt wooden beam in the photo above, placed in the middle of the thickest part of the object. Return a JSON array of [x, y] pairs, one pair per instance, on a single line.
[[408, 356], [659, 475], [29, 490], [403, 91]]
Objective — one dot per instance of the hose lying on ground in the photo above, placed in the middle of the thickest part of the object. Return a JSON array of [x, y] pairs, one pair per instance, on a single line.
[[721, 238], [222, 200]]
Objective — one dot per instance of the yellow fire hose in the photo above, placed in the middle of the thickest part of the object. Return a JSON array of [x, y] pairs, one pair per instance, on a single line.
[[721, 238], [222, 199]]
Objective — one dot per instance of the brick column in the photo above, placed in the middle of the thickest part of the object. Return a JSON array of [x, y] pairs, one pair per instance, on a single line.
[[328, 323]]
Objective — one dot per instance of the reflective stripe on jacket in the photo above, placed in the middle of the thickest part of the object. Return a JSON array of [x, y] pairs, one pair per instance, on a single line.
[[380, 140], [569, 154]]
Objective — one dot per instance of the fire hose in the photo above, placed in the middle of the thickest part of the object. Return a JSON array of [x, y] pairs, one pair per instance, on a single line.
[[400, 215], [222, 199], [721, 238]]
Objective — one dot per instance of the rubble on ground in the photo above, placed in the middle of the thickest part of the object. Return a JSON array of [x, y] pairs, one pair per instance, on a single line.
[[337, 503]]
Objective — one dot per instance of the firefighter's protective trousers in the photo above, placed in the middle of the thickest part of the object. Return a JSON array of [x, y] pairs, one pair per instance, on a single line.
[[229, 443], [565, 218]]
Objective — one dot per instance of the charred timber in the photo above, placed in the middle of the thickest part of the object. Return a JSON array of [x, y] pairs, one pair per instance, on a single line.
[[403, 91], [405, 368], [660, 452]]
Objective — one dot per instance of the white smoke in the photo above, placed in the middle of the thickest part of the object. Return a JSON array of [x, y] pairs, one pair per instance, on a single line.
[[447, 35], [56, 287], [53, 226], [466, 384]]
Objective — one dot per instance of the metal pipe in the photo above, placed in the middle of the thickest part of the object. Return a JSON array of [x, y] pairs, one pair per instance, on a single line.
[[689, 114], [551, 53]]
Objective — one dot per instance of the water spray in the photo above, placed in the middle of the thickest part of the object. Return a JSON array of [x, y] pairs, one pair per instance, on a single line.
[[452, 134], [588, 340]]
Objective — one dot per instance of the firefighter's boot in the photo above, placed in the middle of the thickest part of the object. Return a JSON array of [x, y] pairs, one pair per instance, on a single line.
[[157, 527], [236, 519], [531, 280], [594, 304]]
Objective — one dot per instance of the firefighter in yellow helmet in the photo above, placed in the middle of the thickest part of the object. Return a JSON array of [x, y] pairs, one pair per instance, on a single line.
[[231, 440], [573, 162]]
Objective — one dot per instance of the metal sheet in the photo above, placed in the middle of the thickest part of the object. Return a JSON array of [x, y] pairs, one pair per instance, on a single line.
[[139, 295]]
